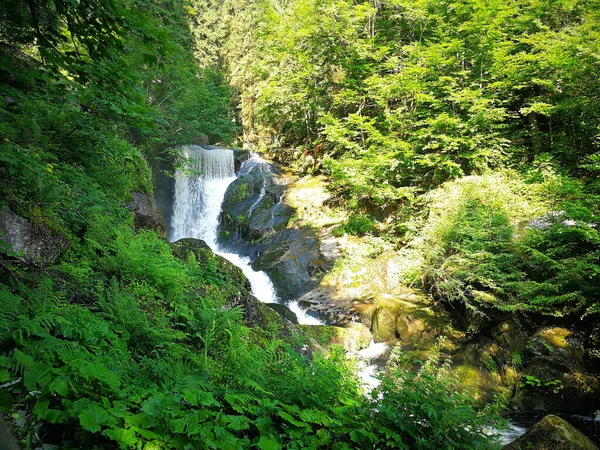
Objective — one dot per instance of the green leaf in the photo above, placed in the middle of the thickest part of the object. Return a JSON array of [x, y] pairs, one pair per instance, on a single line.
[[60, 385], [94, 417], [126, 437], [266, 443]]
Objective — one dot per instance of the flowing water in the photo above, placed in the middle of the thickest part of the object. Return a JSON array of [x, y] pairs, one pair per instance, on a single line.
[[199, 193]]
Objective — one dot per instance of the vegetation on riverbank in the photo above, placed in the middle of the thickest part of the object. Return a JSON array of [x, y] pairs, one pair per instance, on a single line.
[[112, 341], [466, 130]]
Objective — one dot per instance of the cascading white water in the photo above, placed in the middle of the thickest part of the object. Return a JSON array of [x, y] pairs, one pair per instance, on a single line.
[[368, 370], [199, 193]]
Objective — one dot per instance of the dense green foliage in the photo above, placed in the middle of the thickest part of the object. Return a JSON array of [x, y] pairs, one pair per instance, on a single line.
[[117, 342], [396, 99]]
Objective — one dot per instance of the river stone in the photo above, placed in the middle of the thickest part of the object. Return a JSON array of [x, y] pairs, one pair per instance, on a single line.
[[256, 222], [239, 157], [383, 324], [34, 242], [284, 312], [146, 213], [291, 259], [252, 207], [552, 433]]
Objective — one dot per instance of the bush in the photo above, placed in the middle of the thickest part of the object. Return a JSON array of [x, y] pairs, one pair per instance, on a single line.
[[359, 224]]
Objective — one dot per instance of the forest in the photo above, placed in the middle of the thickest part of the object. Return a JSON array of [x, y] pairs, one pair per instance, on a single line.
[[463, 134]]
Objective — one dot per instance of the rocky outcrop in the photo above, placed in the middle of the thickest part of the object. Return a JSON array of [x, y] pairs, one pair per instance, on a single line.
[[146, 213], [255, 221], [552, 433], [352, 338], [538, 366], [256, 313], [32, 241]]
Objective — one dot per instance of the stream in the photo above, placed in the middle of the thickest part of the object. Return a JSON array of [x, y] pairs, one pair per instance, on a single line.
[[198, 196], [199, 193]]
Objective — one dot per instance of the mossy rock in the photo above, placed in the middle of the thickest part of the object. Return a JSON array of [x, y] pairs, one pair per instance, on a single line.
[[35, 240], [407, 317], [511, 334], [203, 253], [352, 338], [256, 314], [147, 215], [552, 433], [477, 382]]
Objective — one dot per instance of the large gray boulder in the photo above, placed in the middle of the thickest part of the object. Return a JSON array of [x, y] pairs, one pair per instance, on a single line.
[[146, 213], [552, 433], [31, 241]]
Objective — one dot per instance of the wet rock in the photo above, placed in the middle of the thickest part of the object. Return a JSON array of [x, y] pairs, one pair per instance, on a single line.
[[255, 313], [257, 223], [33, 241], [284, 312], [352, 338], [320, 300], [252, 208], [163, 172], [240, 156], [552, 433], [291, 258], [146, 213]]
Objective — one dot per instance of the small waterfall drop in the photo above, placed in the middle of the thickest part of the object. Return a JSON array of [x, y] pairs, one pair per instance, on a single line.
[[199, 193]]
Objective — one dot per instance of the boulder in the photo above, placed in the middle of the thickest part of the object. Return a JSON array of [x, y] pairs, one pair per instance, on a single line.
[[256, 313], [33, 241], [407, 317], [552, 433], [383, 323], [352, 338], [558, 378], [257, 223], [240, 156], [284, 312], [291, 259], [252, 207], [146, 213]]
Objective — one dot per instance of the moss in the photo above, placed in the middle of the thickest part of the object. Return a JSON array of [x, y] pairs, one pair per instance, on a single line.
[[552, 433], [556, 336]]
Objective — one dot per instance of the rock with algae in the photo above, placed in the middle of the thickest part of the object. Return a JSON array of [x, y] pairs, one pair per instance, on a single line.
[[552, 433]]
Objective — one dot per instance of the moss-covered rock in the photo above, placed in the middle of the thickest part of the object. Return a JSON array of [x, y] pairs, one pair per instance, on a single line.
[[32, 240], [407, 317], [146, 213], [352, 338], [552, 433], [256, 313]]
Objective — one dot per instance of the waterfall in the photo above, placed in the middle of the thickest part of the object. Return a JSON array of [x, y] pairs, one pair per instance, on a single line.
[[199, 193]]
